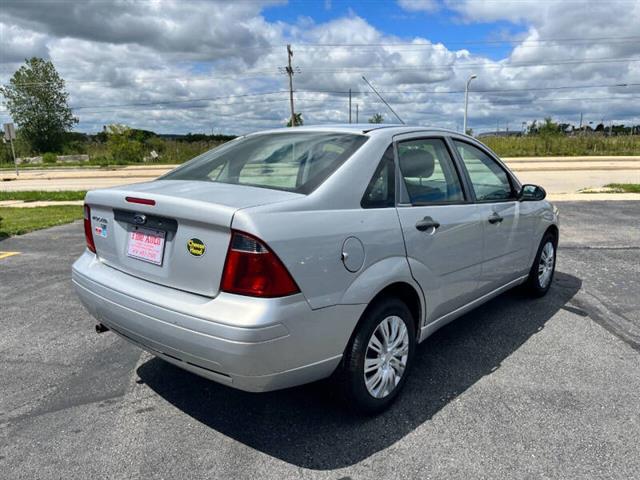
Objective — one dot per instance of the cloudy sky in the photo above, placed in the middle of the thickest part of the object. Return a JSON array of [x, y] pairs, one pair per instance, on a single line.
[[177, 66]]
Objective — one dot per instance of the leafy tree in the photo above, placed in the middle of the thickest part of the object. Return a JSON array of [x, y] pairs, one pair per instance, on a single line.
[[549, 127], [299, 120], [376, 118], [37, 101], [124, 144]]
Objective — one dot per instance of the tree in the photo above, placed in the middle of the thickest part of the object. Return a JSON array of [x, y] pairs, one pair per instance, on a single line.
[[376, 118], [37, 101], [549, 127], [299, 120], [124, 146]]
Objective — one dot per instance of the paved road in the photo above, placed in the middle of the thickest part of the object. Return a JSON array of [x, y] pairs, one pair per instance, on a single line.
[[559, 175], [519, 388]]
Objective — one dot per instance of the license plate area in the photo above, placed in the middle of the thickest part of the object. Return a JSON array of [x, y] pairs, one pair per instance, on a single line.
[[146, 244]]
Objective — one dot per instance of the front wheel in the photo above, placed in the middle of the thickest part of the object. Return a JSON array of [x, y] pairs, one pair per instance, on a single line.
[[543, 268], [379, 356]]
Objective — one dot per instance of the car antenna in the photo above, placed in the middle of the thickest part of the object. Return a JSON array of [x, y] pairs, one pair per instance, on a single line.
[[383, 100]]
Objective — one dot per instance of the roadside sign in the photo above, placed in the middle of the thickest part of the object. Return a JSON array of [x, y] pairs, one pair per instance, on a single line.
[[9, 132], [10, 136]]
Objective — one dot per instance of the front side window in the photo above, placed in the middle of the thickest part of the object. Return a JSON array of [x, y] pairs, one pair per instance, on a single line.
[[488, 178], [428, 172], [293, 161]]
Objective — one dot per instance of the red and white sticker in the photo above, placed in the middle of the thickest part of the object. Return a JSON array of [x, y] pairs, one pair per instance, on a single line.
[[147, 245]]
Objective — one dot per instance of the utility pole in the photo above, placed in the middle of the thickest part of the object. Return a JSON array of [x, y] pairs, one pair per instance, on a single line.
[[357, 120], [290, 73], [349, 105], [580, 122]]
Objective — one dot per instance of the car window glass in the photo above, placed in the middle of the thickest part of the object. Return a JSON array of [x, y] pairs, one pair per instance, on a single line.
[[381, 191], [294, 161], [489, 179], [428, 172]]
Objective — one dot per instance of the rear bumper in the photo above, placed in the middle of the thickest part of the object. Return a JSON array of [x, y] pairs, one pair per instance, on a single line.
[[248, 343]]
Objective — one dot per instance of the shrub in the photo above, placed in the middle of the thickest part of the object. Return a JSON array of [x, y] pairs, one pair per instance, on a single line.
[[123, 146], [49, 157]]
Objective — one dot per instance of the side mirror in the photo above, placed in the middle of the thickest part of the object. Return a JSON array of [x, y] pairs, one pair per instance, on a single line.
[[531, 193]]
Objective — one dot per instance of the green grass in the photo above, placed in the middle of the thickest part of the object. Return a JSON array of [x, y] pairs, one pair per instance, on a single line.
[[559, 145], [36, 196], [16, 221], [624, 187]]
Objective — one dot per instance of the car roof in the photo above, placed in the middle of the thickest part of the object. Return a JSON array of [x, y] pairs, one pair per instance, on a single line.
[[363, 128]]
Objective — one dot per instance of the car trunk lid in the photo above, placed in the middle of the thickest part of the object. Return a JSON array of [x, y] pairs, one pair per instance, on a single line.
[[182, 229]]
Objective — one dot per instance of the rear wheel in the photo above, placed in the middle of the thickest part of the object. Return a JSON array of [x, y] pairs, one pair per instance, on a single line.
[[543, 268], [379, 356]]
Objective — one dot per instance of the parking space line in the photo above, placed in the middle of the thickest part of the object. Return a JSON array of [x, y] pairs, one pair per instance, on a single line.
[[8, 254]]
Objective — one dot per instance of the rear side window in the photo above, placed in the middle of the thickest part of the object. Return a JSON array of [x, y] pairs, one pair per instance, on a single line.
[[381, 191], [428, 172], [293, 161], [490, 181]]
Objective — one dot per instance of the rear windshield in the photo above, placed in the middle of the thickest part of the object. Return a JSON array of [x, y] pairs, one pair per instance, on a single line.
[[293, 161]]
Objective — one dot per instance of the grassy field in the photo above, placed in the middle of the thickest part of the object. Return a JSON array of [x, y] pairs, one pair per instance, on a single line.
[[16, 221], [36, 196], [540, 146], [624, 187], [100, 155]]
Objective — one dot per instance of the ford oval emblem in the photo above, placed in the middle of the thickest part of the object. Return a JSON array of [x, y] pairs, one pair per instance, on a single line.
[[139, 219]]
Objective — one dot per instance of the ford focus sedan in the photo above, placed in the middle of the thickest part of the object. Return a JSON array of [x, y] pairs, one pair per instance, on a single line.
[[288, 256]]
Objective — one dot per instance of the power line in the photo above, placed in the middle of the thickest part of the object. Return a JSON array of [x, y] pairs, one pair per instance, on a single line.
[[456, 66], [629, 39], [168, 102], [303, 98], [459, 66], [504, 90]]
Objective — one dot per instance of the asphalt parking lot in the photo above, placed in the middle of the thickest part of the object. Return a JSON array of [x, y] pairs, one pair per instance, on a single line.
[[520, 388]]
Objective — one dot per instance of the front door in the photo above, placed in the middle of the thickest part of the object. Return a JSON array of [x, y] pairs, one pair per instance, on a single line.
[[506, 244], [442, 229]]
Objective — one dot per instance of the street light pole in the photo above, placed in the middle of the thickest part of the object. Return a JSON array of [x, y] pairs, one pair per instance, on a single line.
[[466, 103]]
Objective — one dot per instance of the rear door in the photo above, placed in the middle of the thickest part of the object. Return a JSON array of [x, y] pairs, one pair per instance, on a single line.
[[442, 228], [506, 239]]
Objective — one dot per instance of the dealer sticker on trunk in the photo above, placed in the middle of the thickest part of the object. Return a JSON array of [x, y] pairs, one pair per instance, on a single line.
[[196, 247], [146, 245]]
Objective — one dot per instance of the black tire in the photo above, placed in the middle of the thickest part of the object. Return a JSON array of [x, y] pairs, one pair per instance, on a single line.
[[533, 284], [352, 376]]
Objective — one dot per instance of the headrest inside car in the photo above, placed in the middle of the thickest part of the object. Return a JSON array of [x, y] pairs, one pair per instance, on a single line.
[[417, 163]]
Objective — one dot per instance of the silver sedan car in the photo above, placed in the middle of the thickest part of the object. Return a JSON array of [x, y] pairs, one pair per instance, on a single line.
[[292, 255]]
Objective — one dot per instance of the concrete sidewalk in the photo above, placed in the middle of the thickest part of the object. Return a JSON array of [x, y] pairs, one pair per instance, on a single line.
[[23, 204]]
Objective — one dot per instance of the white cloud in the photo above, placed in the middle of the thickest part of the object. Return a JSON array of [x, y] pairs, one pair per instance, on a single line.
[[182, 52], [419, 5]]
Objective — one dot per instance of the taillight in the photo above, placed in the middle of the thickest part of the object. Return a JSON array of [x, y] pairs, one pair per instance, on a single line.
[[88, 234], [253, 269]]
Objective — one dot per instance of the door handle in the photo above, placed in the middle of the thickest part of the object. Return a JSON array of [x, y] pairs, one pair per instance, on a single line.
[[426, 223], [495, 218]]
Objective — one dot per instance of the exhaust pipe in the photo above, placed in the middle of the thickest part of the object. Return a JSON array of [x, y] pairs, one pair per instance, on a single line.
[[100, 328]]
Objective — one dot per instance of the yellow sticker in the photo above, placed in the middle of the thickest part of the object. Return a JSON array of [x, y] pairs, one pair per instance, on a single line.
[[196, 247]]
